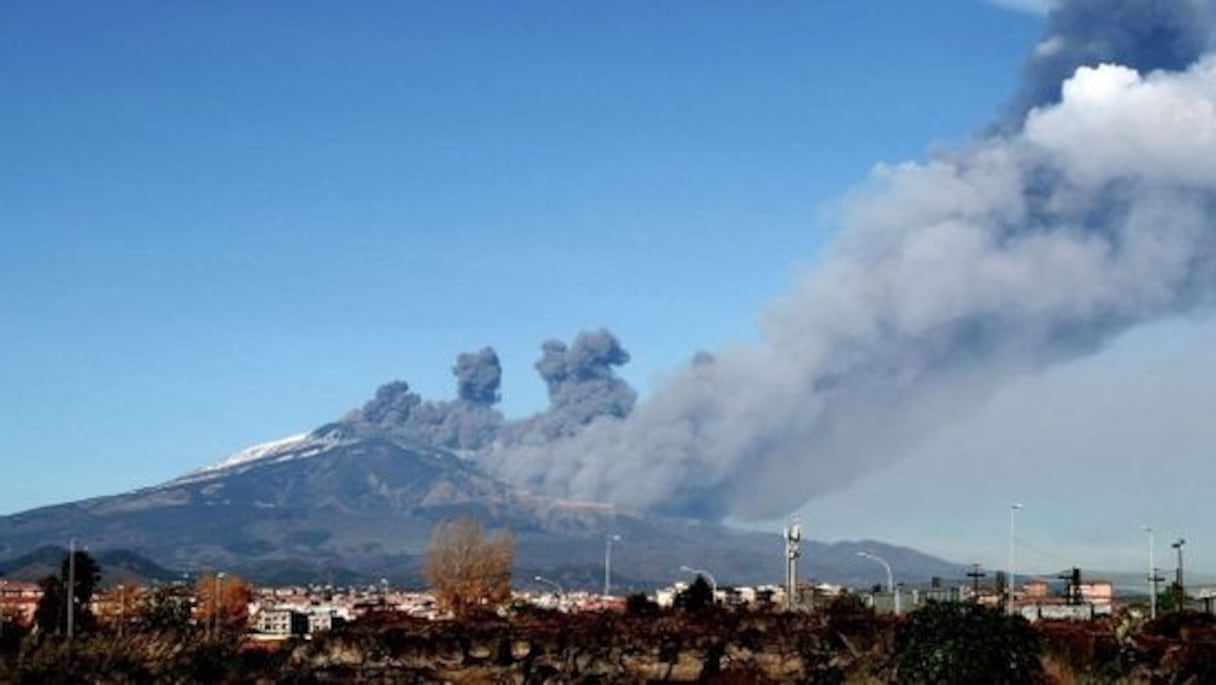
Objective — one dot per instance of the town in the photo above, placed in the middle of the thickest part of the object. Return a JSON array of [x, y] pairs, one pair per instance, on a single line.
[[277, 613], [476, 618]]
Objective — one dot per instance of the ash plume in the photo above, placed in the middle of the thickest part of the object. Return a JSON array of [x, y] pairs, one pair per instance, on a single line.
[[478, 376], [948, 279], [581, 378], [583, 387], [1145, 35], [467, 423]]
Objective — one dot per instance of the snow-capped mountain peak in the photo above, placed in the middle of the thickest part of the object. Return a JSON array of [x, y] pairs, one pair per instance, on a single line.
[[256, 452], [292, 447]]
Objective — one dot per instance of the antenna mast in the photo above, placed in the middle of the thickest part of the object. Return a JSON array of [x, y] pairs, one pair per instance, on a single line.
[[793, 535]]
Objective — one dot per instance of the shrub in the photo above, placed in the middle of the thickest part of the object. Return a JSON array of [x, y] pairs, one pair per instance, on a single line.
[[944, 643]]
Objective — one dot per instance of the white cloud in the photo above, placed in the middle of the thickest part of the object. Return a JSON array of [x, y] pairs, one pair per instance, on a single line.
[[1113, 122]]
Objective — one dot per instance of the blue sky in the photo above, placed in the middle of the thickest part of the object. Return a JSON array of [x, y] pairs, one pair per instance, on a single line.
[[227, 222]]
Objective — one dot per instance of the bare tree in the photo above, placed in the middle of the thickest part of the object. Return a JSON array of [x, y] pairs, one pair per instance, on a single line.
[[468, 569], [117, 607], [223, 603]]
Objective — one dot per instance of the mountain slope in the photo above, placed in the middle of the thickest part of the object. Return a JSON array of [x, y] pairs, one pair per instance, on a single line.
[[334, 504]]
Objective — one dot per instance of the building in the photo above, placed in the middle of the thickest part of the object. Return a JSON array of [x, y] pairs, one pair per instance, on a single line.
[[281, 623], [1035, 589], [18, 601], [1079, 600], [320, 621], [1097, 591]]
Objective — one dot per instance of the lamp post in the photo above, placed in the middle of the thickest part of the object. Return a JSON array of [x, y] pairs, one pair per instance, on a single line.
[[713, 584], [1180, 588], [219, 590], [1013, 510], [890, 576], [71, 598], [561, 594], [122, 608], [1152, 576], [608, 562]]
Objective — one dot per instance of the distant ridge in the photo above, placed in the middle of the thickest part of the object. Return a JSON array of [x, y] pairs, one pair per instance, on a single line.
[[118, 566]]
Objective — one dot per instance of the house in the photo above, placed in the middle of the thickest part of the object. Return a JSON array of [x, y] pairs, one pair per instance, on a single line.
[[1035, 589], [19, 600], [281, 623], [1097, 591], [322, 618]]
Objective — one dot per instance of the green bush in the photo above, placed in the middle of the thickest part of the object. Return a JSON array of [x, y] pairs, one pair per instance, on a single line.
[[944, 643]]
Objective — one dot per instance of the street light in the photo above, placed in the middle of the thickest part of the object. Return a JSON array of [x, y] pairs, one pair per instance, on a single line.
[[1152, 576], [702, 572], [1181, 588], [608, 562], [890, 576], [71, 588], [1013, 510], [561, 594], [219, 588], [122, 608]]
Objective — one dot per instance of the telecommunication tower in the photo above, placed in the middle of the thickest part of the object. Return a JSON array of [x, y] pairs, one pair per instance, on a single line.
[[793, 535]]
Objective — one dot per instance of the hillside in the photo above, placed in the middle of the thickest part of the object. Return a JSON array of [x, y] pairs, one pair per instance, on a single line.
[[335, 505]]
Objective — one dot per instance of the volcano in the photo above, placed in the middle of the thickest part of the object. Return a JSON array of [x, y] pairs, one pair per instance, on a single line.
[[339, 505]]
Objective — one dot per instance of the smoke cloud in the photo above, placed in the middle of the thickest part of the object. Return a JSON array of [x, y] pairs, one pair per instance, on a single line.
[[583, 387], [1145, 35], [582, 383], [467, 423], [948, 279], [478, 376], [1092, 210]]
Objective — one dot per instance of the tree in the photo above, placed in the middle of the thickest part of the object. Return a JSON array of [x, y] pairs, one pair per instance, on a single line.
[[11, 630], [638, 604], [467, 569], [943, 643], [165, 608], [118, 606], [49, 615], [1172, 598], [223, 603], [83, 574], [696, 597]]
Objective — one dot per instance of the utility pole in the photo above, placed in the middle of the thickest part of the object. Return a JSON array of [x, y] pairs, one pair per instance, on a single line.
[[1152, 576], [71, 593], [1072, 586], [1013, 510], [975, 574], [1179, 586]]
